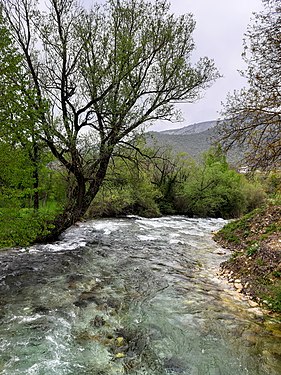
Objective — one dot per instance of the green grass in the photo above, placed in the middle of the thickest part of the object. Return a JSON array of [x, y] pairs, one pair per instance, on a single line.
[[239, 230], [274, 297], [246, 238], [252, 249], [234, 231]]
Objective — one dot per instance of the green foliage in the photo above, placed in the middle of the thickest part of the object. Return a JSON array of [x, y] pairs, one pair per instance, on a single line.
[[271, 295], [21, 227], [253, 113], [19, 109], [108, 70], [17, 180], [227, 233], [252, 249], [110, 202], [236, 230], [148, 183], [20, 224], [142, 181], [274, 299], [15, 167], [215, 190], [168, 171], [127, 190], [254, 194], [240, 231], [256, 259], [272, 183], [9, 67], [19, 127]]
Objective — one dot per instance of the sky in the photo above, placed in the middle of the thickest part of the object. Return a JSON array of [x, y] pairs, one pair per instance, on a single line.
[[220, 28]]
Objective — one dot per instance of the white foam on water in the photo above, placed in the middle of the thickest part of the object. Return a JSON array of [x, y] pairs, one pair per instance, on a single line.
[[108, 227], [149, 223], [148, 238], [175, 241]]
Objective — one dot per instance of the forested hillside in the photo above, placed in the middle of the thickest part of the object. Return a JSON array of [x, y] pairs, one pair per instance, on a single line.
[[194, 140]]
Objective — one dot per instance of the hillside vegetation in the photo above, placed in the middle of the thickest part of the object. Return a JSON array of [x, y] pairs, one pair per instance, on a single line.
[[145, 182], [255, 265], [192, 139]]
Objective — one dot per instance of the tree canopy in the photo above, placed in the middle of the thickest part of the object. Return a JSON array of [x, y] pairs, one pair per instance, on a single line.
[[12, 84], [103, 73], [253, 115], [19, 112]]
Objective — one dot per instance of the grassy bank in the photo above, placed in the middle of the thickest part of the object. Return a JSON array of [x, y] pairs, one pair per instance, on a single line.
[[256, 260]]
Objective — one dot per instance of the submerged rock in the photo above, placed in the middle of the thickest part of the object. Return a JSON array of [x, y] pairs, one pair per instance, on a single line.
[[175, 365]]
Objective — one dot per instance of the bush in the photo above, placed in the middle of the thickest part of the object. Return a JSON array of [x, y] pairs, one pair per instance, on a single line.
[[21, 227], [127, 190], [254, 195], [110, 202], [215, 190]]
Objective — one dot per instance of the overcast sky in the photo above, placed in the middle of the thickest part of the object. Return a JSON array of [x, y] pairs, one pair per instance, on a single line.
[[220, 26]]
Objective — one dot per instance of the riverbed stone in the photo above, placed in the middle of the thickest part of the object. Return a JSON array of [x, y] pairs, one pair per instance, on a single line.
[[238, 286], [98, 321], [252, 303], [256, 311]]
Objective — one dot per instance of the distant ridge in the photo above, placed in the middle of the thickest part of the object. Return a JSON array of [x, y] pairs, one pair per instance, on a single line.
[[191, 129], [193, 139]]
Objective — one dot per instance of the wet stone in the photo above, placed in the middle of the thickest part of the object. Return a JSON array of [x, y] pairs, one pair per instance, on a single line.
[[80, 303], [74, 278], [113, 303], [40, 310], [98, 321], [175, 365]]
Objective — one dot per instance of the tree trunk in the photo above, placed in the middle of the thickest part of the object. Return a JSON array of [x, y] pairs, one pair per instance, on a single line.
[[73, 211], [78, 202], [35, 188], [34, 157]]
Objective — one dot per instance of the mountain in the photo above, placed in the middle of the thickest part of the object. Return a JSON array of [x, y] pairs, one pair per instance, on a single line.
[[191, 129], [193, 139]]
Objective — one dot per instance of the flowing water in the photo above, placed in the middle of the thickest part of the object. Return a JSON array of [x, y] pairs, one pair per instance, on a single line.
[[130, 296]]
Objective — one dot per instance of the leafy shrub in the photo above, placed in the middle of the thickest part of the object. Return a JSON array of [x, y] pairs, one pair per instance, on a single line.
[[21, 227], [127, 190], [215, 190], [254, 195], [110, 202]]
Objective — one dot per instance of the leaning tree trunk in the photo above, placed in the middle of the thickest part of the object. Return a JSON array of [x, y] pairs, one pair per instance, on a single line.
[[74, 210], [78, 202], [35, 159]]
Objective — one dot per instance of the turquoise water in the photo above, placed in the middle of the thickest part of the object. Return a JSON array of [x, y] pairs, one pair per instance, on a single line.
[[130, 296]]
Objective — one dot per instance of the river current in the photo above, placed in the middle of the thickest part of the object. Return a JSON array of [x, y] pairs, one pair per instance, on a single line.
[[130, 296]]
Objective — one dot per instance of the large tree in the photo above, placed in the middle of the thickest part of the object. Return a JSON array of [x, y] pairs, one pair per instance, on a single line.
[[253, 115], [104, 73], [18, 115]]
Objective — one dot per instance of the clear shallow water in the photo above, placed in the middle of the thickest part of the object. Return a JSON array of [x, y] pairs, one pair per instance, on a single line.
[[130, 296]]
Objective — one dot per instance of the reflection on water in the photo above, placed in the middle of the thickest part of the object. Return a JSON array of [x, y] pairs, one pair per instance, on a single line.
[[130, 296]]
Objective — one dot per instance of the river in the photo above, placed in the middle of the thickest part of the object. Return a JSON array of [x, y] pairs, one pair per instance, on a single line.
[[130, 296]]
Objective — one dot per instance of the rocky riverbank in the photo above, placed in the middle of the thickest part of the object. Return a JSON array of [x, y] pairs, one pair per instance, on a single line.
[[255, 265]]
